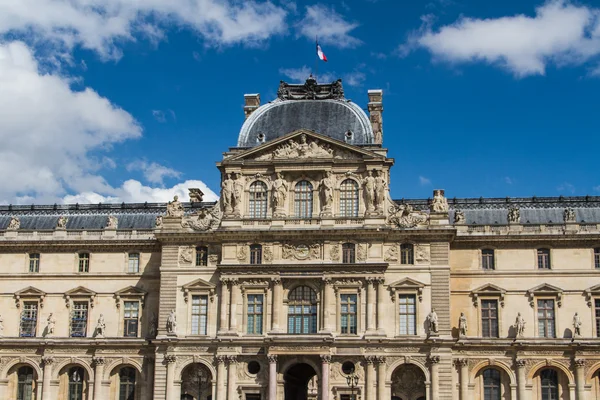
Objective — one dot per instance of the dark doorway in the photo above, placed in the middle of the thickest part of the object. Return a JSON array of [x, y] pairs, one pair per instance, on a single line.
[[296, 381]]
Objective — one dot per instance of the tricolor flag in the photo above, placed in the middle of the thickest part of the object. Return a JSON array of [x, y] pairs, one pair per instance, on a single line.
[[320, 53]]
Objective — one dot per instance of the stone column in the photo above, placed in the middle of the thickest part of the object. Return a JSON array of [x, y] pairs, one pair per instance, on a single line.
[[223, 322], [463, 365], [325, 362], [381, 370], [580, 378], [326, 304], [435, 382], [370, 378], [231, 375], [98, 372], [370, 304], [47, 361], [170, 361], [380, 302], [272, 377], [221, 394], [276, 305], [235, 297], [521, 380]]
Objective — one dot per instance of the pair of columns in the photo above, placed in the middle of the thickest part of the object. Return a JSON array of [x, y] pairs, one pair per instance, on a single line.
[[98, 363], [229, 325]]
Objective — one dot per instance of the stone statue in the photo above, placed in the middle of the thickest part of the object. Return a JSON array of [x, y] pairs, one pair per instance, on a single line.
[[280, 189], [100, 327], [196, 195], [569, 215], [62, 222], [172, 323], [404, 216], [112, 223], [514, 215], [380, 190], [459, 217], [227, 194], [238, 189], [519, 325], [369, 189], [1, 326], [14, 224], [326, 192], [432, 321], [158, 222], [50, 323], [204, 219], [153, 326], [175, 208], [439, 203], [576, 325], [462, 325]]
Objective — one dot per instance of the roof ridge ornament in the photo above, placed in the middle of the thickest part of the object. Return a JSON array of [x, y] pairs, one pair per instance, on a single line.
[[311, 90]]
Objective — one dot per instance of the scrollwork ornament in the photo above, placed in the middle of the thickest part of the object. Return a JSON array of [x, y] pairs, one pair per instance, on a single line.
[[326, 358], [170, 359]]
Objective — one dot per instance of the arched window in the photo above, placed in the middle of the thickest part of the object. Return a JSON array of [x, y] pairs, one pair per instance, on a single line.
[[549, 384], [349, 198], [76, 377], [258, 200], [25, 383], [407, 254], [303, 199], [348, 253], [255, 254], [302, 311], [127, 383], [491, 384], [201, 256]]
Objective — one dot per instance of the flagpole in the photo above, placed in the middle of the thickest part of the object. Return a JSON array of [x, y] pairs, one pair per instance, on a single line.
[[316, 59]]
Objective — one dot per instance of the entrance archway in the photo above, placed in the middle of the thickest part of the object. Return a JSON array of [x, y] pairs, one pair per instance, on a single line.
[[408, 383], [296, 382], [196, 383]]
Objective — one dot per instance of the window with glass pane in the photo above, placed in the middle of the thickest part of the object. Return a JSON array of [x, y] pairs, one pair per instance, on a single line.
[[597, 258], [131, 318], [549, 384], [25, 383], [256, 254], [302, 311], [133, 264], [127, 383], [543, 256], [34, 262], [597, 311], [348, 253], [79, 316], [303, 199], [258, 200], [489, 318], [84, 262], [29, 319], [199, 315], [491, 384], [349, 198], [407, 254], [76, 376], [348, 313], [201, 256], [255, 314], [546, 318], [408, 314], [487, 259]]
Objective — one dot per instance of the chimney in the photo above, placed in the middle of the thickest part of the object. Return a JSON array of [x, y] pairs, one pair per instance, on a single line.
[[375, 107], [251, 103]]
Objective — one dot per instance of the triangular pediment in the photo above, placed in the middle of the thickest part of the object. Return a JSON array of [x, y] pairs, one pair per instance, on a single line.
[[303, 145], [80, 291], [545, 288], [594, 290], [407, 283], [131, 291], [489, 288], [30, 291], [199, 284]]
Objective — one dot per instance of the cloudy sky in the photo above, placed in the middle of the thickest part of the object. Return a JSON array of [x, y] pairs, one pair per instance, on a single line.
[[116, 100]]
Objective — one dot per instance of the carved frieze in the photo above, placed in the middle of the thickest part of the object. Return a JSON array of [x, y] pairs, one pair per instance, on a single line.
[[301, 251], [304, 147], [404, 216], [186, 254], [205, 219], [392, 254], [422, 254]]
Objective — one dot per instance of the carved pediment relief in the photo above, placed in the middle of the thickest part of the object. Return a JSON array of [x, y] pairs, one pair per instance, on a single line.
[[545, 289], [198, 286], [301, 251], [488, 290], [130, 291], [205, 219], [404, 216], [29, 293], [407, 285], [79, 292]]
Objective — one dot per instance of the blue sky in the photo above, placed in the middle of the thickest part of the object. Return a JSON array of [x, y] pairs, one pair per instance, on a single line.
[[107, 101]]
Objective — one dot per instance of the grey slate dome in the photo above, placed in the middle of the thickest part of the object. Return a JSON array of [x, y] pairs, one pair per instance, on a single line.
[[321, 108]]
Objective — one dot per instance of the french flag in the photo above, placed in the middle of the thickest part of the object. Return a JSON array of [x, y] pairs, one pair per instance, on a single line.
[[320, 53]]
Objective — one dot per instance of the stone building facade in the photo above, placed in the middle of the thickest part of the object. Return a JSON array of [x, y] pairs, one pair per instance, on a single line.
[[304, 281]]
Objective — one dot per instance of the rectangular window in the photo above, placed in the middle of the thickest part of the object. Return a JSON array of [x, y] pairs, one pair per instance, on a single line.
[[199, 314], [79, 318], [408, 314], [256, 254], [597, 258], [348, 313], [546, 318], [252, 396], [348, 253], [84, 262], [133, 266], [29, 319], [489, 318], [543, 256], [407, 254], [131, 318], [487, 259], [201, 256], [255, 314], [34, 262]]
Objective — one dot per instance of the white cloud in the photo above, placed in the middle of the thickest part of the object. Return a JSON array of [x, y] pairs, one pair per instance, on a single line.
[[424, 181], [153, 172], [560, 33], [159, 116], [508, 180], [133, 191], [330, 27], [354, 78], [566, 187]]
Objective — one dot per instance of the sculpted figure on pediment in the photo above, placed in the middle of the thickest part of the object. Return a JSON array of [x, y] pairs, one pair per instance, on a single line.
[[280, 190], [175, 208], [404, 216], [303, 148], [227, 194], [326, 192], [439, 203], [205, 219], [14, 224]]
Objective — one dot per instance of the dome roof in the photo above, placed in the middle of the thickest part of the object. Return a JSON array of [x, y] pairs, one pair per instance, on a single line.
[[316, 107]]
